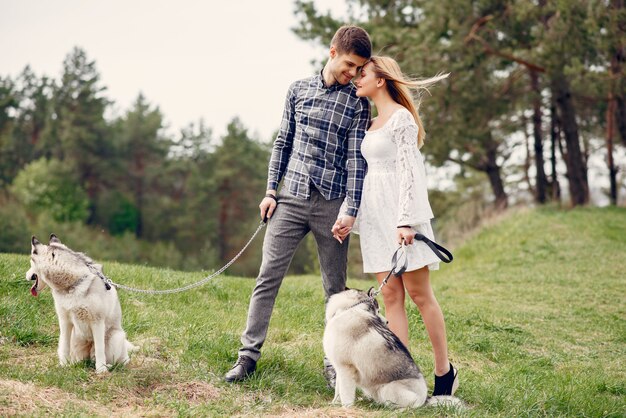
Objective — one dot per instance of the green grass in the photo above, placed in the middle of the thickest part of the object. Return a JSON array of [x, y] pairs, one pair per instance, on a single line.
[[534, 306]]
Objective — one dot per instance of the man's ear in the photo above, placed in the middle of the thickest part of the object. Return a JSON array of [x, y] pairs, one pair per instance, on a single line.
[[333, 51]]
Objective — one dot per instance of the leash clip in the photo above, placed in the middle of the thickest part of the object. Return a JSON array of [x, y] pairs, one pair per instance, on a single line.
[[399, 256]]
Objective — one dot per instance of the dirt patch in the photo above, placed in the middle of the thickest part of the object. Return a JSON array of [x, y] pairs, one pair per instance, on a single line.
[[29, 358], [194, 392], [26, 399], [328, 412]]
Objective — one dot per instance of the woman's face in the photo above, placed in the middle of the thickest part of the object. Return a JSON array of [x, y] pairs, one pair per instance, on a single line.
[[366, 82]]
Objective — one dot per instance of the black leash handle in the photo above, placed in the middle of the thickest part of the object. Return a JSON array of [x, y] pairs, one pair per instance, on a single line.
[[437, 249]]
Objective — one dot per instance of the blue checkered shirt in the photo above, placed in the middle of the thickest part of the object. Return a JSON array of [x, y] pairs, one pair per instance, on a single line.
[[319, 142]]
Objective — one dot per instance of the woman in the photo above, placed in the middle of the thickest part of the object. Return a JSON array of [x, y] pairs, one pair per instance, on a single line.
[[395, 206]]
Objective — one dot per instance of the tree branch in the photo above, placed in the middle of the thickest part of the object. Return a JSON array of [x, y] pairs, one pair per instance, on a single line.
[[472, 36]]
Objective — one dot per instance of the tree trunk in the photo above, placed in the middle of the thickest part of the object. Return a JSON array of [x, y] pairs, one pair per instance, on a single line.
[[495, 180], [554, 138], [620, 117], [617, 60], [610, 129], [527, 163], [576, 168], [542, 181]]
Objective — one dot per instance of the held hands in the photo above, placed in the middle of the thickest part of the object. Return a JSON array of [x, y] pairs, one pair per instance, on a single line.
[[342, 227], [268, 205], [406, 234]]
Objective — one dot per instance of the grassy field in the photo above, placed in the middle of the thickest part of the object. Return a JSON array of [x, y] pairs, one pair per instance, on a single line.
[[534, 305]]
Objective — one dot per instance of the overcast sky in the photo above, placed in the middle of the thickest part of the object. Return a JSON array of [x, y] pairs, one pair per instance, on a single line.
[[194, 59]]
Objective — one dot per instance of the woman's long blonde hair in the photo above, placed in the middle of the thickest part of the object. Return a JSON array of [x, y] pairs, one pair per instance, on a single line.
[[398, 86]]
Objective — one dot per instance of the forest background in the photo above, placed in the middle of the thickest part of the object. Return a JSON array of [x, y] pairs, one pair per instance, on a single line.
[[534, 113]]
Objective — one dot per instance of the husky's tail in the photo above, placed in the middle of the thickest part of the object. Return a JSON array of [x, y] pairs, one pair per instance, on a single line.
[[445, 400]]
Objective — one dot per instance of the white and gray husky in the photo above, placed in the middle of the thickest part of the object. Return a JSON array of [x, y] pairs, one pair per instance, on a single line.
[[89, 312], [368, 355]]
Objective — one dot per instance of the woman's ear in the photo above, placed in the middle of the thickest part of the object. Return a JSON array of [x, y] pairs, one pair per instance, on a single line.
[[380, 82]]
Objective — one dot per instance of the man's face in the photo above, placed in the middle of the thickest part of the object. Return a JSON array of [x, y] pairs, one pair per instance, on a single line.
[[344, 67]]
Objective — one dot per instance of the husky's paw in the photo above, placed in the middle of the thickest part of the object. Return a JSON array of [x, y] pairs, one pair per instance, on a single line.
[[64, 361], [104, 368], [131, 348]]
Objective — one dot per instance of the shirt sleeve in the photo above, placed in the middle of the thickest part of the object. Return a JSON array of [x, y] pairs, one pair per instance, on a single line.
[[355, 162], [413, 206], [283, 144]]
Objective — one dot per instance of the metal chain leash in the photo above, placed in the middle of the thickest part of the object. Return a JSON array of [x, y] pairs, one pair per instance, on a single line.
[[190, 286]]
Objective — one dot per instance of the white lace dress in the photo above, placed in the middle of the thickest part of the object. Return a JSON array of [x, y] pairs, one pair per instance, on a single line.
[[394, 193]]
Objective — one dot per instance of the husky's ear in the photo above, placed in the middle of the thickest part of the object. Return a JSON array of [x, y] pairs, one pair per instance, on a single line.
[[370, 292], [54, 238], [34, 241]]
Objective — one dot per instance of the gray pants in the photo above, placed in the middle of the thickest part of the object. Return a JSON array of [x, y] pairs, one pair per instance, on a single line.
[[291, 221]]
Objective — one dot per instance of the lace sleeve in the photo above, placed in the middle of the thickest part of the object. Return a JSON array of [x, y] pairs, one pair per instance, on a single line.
[[413, 208]]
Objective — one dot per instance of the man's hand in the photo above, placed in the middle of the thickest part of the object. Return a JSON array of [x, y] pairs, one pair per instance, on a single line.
[[406, 235], [342, 227], [268, 205]]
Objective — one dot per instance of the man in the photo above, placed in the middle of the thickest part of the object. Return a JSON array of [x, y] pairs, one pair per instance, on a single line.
[[317, 151]]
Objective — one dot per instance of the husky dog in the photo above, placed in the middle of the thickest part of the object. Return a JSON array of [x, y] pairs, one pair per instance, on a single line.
[[368, 355], [90, 316]]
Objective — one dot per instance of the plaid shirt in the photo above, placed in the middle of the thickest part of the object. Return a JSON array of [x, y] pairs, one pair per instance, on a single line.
[[319, 142]]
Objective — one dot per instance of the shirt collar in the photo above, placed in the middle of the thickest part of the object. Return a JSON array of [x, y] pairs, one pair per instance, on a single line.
[[334, 87]]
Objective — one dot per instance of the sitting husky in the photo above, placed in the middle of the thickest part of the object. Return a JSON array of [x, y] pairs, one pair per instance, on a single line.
[[368, 355], [90, 316]]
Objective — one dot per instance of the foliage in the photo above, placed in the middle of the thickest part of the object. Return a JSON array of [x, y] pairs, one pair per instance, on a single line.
[[238, 162], [508, 60], [14, 227], [49, 186], [79, 126]]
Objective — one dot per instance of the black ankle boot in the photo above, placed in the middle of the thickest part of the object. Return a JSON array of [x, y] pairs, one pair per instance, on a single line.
[[446, 384], [241, 370]]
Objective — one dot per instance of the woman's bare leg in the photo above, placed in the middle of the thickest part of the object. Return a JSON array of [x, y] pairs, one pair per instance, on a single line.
[[418, 287], [393, 298]]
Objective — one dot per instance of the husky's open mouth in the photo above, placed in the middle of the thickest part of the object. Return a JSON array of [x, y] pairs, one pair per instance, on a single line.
[[33, 290]]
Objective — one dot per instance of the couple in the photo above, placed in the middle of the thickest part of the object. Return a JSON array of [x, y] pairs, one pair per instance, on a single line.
[[323, 147]]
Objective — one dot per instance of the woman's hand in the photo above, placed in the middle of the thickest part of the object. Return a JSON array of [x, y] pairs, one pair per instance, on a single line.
[[342, 227], [406, 234]]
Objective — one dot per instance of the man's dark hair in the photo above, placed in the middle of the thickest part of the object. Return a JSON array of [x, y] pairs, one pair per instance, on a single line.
[[352, 40]]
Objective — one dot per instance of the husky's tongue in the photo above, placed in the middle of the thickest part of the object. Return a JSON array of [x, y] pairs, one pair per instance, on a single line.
[[33, 290]]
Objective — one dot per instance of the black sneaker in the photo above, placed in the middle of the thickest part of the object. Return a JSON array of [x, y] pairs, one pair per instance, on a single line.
[[446, 384], [241, 370], [329, 374]]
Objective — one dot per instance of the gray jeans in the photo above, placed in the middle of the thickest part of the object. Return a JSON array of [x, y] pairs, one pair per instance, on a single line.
[[291, 221]]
